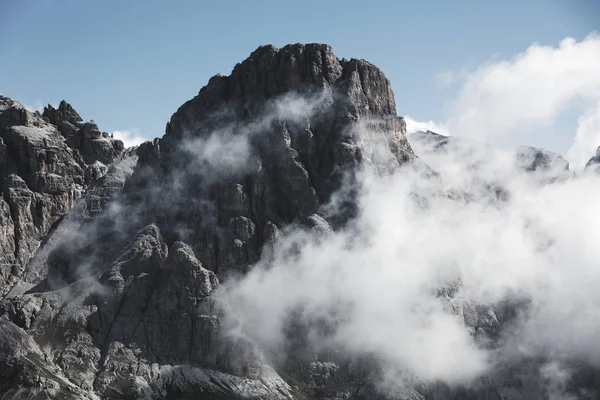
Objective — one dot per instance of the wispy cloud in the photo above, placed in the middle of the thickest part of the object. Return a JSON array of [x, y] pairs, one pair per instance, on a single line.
[[131, 137], [587, 137], [503, 99], [372, 283], [412, 126]]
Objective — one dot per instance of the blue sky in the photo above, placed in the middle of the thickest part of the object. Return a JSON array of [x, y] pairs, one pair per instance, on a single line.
[[131, 64]]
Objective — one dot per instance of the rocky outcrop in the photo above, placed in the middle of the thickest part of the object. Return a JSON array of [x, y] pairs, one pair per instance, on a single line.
[[297, 123], [481, 171], [94, 145], [42, 177], [545, 165], [535, 159], [301, 119], [85, 137], [116, 262], [144, 326], [26, 374], [103, 186]]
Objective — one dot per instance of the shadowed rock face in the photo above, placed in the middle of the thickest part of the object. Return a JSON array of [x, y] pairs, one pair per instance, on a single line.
[[251, 153], [301, 116], [65, 118], [116, 257], [85, 137], [41, 178], [297, 123], [546, 165]]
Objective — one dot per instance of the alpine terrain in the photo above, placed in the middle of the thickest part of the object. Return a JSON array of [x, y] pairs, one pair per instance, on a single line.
[[284, 239]]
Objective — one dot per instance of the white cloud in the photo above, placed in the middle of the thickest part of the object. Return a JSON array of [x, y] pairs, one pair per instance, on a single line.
[[375, 278], [502, 101], [371, 283], [130, 138], [412, 126], [587, 138], [222, 152]]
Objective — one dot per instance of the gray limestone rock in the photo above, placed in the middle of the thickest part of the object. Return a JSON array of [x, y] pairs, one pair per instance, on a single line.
[[113, 261], [65, 118], [94, 145], [41, 179], [85, 137], [314, 119], [306, 121]]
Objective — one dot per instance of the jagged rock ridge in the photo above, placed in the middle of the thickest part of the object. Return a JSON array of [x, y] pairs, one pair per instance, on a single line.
[[296, 158], [123, 298], [42, 176]]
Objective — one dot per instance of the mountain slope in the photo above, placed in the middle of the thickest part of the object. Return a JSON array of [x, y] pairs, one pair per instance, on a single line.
[[287, 127], [119, 263]]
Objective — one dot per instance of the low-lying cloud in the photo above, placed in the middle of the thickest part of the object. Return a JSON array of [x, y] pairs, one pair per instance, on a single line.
[[528, 91], [495, 233], [413, 125], [528, 96], [375, 280], [130, 138]]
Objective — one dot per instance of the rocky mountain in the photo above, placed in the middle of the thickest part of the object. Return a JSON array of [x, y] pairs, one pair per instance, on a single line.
[[115, 262], [43, 177]]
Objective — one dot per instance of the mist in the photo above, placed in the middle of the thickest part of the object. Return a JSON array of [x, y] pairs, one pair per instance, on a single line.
[[490, 234]]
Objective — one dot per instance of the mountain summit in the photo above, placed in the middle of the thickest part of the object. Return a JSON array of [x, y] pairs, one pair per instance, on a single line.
[[133, 242], [117, 265]]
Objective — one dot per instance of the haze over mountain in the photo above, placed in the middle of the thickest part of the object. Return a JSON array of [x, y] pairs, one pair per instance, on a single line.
[[286, 239]]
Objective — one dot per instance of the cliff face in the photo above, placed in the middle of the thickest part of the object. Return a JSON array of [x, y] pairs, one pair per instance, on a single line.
[[255, 151], [41, 178], [85, 137], [115, 262], [295, 120]]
